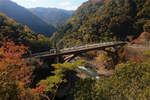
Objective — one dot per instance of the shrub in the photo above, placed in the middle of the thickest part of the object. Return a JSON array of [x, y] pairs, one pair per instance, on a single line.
[[130, 82]]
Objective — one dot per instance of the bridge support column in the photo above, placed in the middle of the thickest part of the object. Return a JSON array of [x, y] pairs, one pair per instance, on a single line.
[[57, 59]]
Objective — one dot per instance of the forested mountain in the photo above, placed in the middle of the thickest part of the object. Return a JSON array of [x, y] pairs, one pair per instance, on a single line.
[[53, 16], [15, 31], [22, 34], [98, 20], [22, 15]]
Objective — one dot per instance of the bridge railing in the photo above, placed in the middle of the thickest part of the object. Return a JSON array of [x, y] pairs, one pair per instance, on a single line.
[[89, 46], [54, 51]]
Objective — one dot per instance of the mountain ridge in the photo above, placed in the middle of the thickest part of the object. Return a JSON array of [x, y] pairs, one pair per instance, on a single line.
[[24, 16], [103, 20], [54, 16]]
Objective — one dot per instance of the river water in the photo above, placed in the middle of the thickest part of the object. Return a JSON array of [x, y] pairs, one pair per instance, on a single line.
[[90, 72]]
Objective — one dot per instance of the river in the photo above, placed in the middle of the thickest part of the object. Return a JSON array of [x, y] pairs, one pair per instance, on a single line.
[[90, 72]]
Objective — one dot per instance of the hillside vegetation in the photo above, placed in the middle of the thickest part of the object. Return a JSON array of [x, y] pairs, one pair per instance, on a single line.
[[25, 17], [102, 20], [14, 31], [22, 34], [129, 81], [128, 67]]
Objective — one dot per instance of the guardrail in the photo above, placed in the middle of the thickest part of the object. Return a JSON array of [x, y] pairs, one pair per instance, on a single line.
[[78, 48]]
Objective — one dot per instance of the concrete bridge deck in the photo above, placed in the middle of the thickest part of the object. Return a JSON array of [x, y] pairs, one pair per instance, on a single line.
[[79, 49]]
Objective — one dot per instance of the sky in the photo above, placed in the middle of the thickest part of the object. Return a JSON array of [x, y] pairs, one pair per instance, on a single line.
[[63, 4]]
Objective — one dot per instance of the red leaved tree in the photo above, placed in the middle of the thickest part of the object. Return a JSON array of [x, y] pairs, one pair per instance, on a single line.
[[14, 73]]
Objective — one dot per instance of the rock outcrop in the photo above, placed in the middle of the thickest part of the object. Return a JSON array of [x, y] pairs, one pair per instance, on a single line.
[[142, 39]]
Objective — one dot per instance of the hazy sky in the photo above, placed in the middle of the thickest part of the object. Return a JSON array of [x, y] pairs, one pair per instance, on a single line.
[[64, 4]]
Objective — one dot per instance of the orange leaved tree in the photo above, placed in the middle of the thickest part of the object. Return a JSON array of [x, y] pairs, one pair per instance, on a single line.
[[14, 73]]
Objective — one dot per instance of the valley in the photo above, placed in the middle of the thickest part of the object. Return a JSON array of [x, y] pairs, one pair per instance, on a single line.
[[53, 16], [99, 51]]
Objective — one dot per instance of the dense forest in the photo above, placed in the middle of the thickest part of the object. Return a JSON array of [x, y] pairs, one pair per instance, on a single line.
[[103, 20], [53, 16], [25, 17], [112, 73], [22, 34]]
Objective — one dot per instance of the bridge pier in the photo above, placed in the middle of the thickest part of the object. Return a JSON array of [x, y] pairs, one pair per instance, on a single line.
[[57, 59]]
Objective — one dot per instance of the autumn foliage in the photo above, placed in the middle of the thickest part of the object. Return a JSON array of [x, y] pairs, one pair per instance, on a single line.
[[14, 73]]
